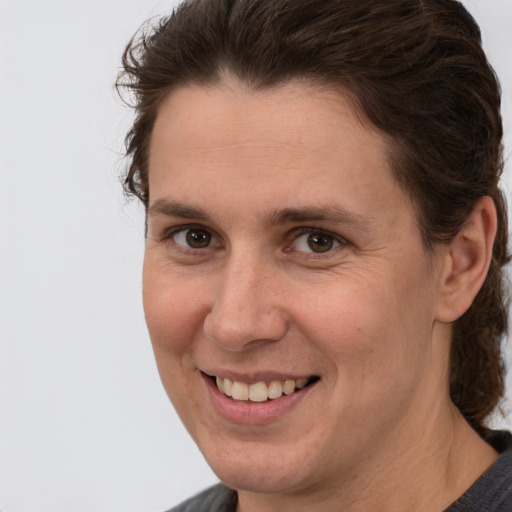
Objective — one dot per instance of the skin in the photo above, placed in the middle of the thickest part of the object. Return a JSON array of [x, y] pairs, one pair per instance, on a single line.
[[370, 317]]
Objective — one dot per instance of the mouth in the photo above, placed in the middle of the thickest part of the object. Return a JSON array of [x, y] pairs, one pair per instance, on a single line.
[[261, 391]]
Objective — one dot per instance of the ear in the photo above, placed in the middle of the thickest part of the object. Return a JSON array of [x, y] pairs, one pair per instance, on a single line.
[[467, 261]]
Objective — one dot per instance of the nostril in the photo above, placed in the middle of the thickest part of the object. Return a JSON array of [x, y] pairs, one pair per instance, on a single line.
[[240, 328]]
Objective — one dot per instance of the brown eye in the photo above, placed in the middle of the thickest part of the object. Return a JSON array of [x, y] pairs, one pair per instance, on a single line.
[[319, 242], [194, 238], [198, 238]]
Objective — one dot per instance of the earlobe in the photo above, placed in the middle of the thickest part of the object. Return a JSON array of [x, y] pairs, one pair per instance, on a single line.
[[467, 261]]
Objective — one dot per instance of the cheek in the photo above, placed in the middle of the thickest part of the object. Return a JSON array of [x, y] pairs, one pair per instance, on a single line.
[[369, 333], [173, 310], [173, 317]]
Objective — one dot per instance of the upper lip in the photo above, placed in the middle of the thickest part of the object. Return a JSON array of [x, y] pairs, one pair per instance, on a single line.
[[255, 376]]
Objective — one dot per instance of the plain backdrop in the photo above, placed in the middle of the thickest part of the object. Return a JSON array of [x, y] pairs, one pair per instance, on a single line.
[[85, 425]]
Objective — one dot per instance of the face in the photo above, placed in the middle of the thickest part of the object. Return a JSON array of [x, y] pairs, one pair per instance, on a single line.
[[281, 254]]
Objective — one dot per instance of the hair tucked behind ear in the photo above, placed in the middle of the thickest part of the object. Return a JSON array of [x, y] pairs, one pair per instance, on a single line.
[[415, 69]]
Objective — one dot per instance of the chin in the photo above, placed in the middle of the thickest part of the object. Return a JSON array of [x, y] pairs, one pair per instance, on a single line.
[[264, 480], [260, 470]]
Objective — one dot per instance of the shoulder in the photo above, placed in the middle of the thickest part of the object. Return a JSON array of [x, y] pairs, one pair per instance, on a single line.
[[492, 492], [218, 498]]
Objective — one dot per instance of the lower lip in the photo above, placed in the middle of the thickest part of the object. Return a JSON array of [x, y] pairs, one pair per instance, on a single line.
[[254, 413]]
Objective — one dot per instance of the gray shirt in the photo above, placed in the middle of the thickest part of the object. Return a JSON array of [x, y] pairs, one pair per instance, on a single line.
[[492, 492]]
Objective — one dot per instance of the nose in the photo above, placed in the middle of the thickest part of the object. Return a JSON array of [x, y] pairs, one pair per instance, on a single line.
[[246, 312]]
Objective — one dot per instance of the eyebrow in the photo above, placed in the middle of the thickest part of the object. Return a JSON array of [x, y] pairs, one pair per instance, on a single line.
[[278, 217], [316, 213], [175, 209]]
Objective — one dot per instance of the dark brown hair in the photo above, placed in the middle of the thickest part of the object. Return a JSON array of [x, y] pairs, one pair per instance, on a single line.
[[415, 69]]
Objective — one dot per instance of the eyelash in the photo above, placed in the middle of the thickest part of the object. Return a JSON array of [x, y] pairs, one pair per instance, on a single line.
[[294, 235], [337, 240], [171, 233]]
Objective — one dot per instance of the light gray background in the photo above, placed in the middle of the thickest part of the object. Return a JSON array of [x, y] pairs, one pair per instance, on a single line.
[[84, 423]]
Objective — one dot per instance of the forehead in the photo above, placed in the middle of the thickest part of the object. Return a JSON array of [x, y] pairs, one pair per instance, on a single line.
[[228, 149], [286, 105], [241, 157], [296, 126]]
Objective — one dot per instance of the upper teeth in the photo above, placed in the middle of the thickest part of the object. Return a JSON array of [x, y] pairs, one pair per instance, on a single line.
[[259, 391]]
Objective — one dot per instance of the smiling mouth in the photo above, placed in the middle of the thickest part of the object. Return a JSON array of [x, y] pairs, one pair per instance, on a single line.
[[261, 391]]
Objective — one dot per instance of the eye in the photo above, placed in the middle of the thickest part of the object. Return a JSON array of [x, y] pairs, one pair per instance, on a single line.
[[315, 241], [194, 238]]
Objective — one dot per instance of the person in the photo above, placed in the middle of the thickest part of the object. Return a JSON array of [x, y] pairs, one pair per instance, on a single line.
[[323, 276]]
